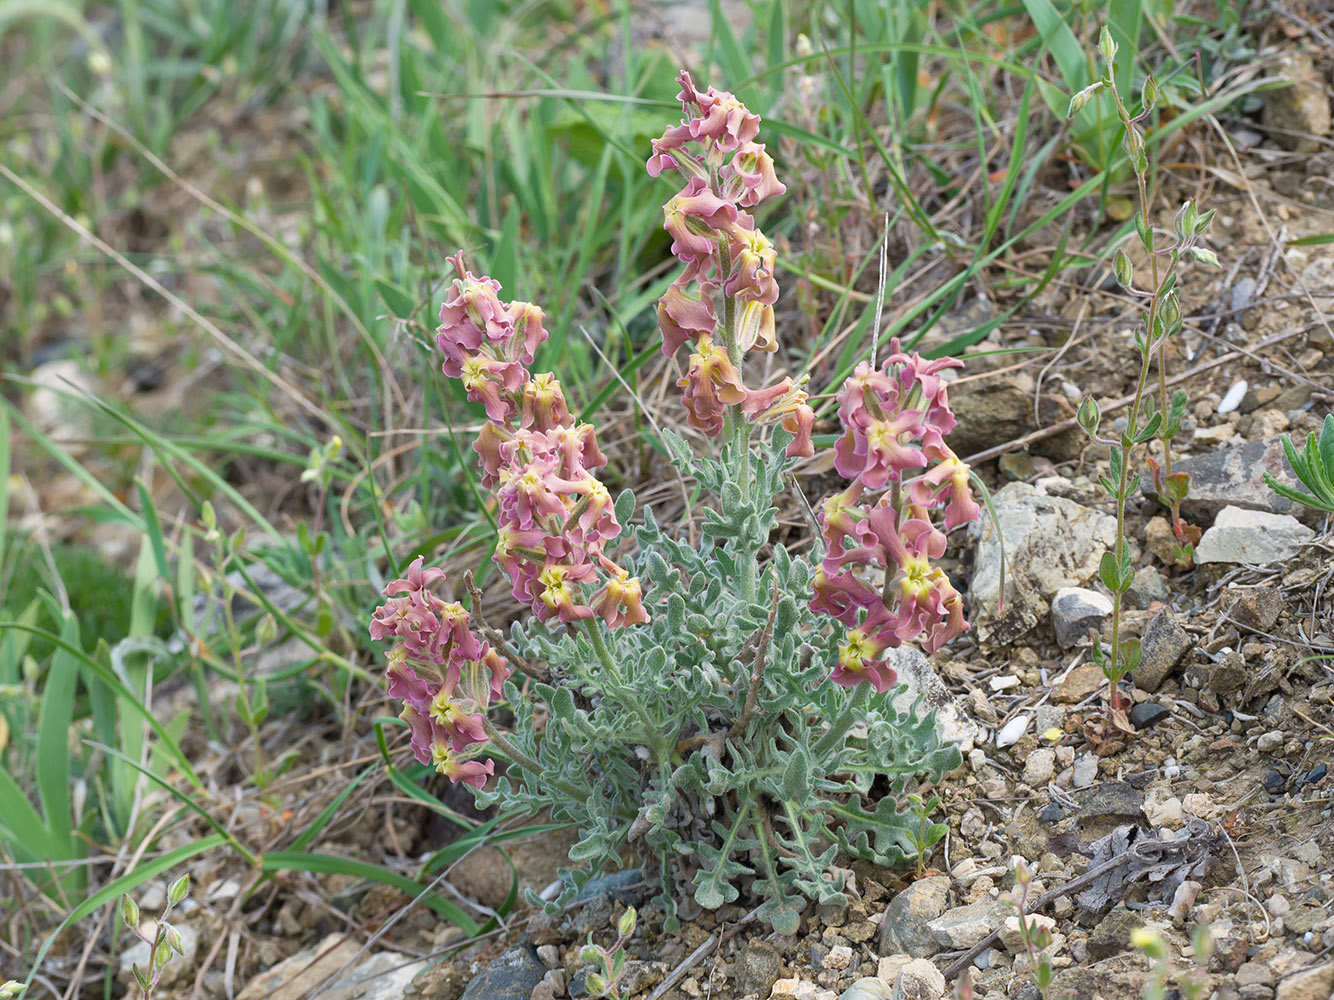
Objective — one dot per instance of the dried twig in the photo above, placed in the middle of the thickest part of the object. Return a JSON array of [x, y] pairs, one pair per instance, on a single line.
[[497, 637], [756, 672]]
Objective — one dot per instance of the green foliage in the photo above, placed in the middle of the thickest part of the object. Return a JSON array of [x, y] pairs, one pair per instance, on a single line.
[[646, 734], [1314, 466]]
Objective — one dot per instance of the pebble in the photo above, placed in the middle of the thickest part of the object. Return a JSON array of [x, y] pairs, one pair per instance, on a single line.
[[1162, 647], [1011, 732], [1165, 811], [1012, 936], [1003, 682], [1079, 683], [550, 955], [919, 980], [964, 926], [1086, 770], [1251, 538], [759, 965], [868, 989], [1039, 767], [1269, 741], [1232, 398], [903, 931], [1077, 610], [1182, 900], [1146, 714], [1312, 984], [838, 959]]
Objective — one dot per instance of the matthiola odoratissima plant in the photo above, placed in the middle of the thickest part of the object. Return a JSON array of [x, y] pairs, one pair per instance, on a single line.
[[728, 721]]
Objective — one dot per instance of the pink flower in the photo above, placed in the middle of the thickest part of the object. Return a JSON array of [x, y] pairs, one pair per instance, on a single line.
[[753, 256], [723, 122], [840, 595], [492, 383], [461, 726], [543, 404], [416, 581], [711, 383], [750, 178], [859, 659], [529, 333], [694, 217], [558, 596], [456, 769], [473, 314], [948, 478], [800, 422], [683, 317], [620, 602]]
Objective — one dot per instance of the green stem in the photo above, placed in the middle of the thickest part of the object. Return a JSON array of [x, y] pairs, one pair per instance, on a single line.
[[652, 736], [840, 726], [517, 756]]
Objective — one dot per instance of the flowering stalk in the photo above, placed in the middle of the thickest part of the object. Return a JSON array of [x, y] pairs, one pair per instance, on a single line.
[[1117, 570]]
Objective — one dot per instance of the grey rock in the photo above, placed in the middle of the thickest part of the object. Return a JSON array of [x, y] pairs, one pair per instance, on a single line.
[[1050, 542], [1148, 587], [1162, 647], [757, 967], [994, 411], [919, 980], [383, 976], [1298, 114], [1107, 806], [904, 928], [1234, 477], [1251, 538], [512, 976], [1076, 610], [1312, 984], [1228, 674], [1146, 714], [1112, 935], [1086, 771], [1257, 609], [914, 670], [1269, 742], [964, 926], [1079, 983]]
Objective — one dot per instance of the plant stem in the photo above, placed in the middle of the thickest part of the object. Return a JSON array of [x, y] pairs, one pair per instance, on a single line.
[[652, 736], [517, 756], [840, 726]]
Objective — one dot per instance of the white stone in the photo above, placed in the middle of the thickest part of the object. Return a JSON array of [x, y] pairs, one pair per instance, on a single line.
[[1269, 741], [1075, 610], [1012, 936], [1233, 397], [914, 670], [838, 959], [868, 989], [1014, 729], [1251, 537]]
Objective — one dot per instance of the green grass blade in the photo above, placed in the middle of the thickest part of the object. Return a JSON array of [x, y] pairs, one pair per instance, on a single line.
[[53, 732]]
